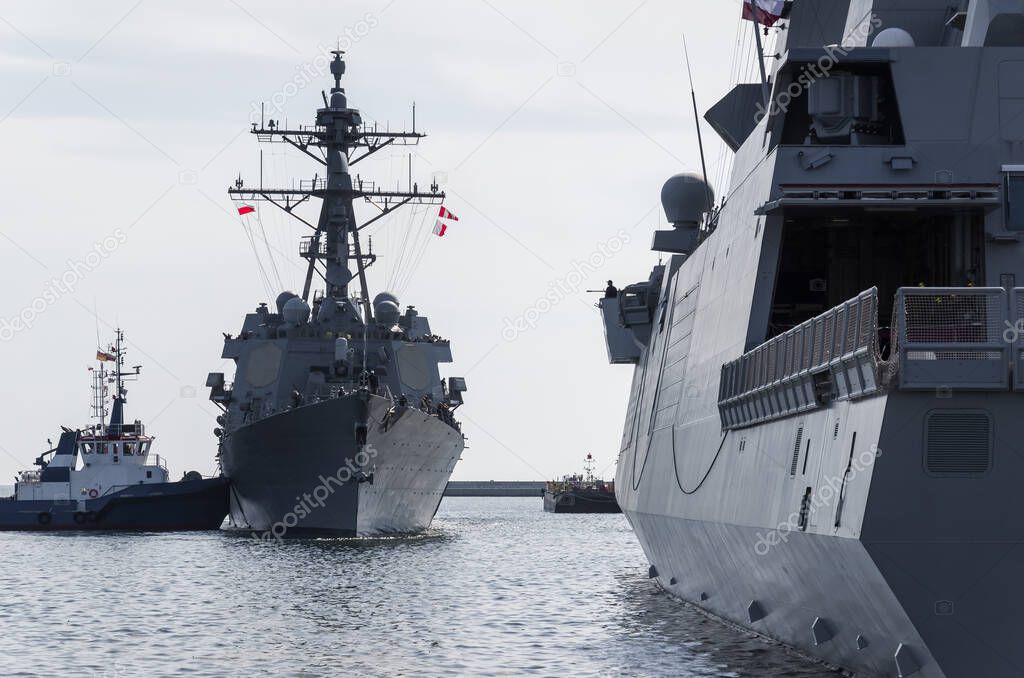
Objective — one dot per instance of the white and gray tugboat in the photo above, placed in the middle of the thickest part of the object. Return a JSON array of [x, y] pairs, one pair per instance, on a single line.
[[105, 477], [336, 421], [823, 441]]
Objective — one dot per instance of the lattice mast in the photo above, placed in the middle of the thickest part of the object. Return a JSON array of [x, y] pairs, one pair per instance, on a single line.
[[117, 376], [338, 140]]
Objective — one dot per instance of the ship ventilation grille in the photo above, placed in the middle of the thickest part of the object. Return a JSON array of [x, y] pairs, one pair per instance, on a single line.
[[958, 442], [796, 451]]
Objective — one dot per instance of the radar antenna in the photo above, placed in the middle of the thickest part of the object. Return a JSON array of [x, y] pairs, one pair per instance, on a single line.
[[338, 140]]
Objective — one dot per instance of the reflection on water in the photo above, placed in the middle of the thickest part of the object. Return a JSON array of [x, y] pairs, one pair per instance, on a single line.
[[496, 587]]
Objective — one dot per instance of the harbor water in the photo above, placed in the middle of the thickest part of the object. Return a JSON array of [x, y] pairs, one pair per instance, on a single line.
[[496, 587]]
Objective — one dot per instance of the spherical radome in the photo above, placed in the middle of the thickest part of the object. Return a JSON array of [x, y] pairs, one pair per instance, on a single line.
[[685, 197], [893, 37], [296, 311]]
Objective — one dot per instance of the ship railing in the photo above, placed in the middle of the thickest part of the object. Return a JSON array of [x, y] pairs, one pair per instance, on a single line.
[[957, 337], [317, 184], [832, 356], [308, 247]]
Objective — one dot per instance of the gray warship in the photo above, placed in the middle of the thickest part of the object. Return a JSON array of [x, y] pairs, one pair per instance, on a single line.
[[337, 421], [822, 439]]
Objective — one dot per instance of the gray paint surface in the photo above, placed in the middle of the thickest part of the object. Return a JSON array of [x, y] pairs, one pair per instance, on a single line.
[[908, 571]]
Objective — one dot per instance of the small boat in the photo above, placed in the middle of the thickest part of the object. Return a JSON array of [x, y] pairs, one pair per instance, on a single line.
[[581, 493], [104, 477]]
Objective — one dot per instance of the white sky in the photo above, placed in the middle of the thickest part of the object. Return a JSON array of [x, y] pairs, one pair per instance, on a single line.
[[555, 124]]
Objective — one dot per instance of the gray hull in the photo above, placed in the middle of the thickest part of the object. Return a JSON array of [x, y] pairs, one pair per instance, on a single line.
[[920, 566], [298, 472], [822, 441]]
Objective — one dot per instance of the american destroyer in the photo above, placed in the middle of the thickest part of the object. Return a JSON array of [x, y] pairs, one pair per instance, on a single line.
[[822, 437], [337, 420]]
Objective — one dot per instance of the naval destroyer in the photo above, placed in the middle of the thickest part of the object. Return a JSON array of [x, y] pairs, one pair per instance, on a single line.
[[823, 437], [336, 421]]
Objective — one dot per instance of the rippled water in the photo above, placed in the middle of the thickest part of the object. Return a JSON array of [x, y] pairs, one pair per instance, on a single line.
[[498, 587]]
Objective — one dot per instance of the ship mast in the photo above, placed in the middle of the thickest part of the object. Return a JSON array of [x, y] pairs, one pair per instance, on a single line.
[[118, 376], [338, 140]]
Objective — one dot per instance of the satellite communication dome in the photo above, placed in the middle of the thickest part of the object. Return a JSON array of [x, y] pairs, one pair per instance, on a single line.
[[386, 311], [296, 311], [386, 308], [338, 100], [685, 198], [893, 37], [282, 299], [385, 296]]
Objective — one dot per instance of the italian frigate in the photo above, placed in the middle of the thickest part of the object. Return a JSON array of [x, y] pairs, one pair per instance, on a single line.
[[337, 421], [823, 437]]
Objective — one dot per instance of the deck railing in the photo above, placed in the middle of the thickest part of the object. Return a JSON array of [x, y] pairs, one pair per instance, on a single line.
[[834, 355], [942, 339], [953, 337]]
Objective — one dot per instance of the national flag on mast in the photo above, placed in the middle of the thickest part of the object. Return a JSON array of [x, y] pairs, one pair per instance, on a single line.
[[244, 209], [444, 213], [765, 12], [439, 228], [105, 357]]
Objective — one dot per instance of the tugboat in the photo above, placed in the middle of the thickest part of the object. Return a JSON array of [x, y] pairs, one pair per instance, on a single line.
[[103, 477], [581, 493]]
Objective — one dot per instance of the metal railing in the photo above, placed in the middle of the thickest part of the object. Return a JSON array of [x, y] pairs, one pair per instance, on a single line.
[[952, 337], [834, 355], [956, 338]]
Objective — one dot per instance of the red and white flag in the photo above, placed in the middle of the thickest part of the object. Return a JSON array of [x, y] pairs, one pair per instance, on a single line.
[[440, 227], [765, 12], [244, 209], [446, 214]]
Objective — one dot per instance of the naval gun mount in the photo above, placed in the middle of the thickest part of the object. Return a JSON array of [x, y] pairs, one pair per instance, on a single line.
[[629, 315]]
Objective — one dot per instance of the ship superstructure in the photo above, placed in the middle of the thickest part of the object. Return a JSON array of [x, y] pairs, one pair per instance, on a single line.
[[821, 437], [337, 420]]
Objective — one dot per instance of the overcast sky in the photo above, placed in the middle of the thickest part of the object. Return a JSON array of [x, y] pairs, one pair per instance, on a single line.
[[551, 125]]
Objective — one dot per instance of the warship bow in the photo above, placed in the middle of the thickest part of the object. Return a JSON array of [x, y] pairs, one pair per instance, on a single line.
[[337, 420]]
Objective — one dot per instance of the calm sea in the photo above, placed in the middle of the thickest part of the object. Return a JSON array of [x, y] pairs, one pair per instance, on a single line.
[[497, 587]]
